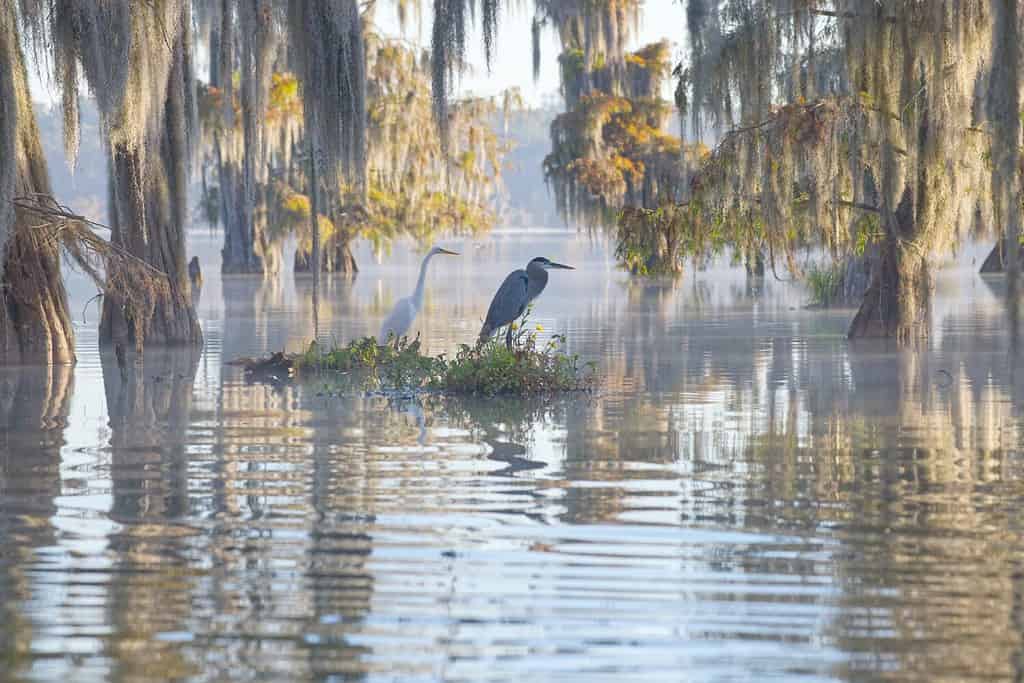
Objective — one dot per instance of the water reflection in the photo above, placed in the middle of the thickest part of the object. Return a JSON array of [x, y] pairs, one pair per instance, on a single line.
[[34, 406], [747, 497], [149, 405]]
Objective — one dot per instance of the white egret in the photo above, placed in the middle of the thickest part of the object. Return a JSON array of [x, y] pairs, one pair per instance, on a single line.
[[405, 311]]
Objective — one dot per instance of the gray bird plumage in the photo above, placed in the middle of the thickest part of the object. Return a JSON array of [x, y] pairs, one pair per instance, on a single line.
[[515, 294]]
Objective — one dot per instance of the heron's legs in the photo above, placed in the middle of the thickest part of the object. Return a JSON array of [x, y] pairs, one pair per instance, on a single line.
[[508, 337]]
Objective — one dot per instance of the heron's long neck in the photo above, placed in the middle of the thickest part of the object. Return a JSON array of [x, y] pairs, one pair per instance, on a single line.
[[418, 295], [537, 280]]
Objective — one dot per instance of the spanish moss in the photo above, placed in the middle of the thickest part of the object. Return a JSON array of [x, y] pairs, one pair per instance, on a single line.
[[891, 164], [327, 40], [448, 48], [35, 326]]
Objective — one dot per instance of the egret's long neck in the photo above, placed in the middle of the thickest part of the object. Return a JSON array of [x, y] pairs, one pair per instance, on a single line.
[[418, 295]]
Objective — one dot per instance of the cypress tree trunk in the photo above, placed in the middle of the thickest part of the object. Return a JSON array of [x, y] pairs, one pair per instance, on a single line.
[[239, 252], [1004, 109], [144, 222], [148, 214], [336, 257], [35, 326], [996, 260], [754, 263], [897, 303], [342, 259], [242, 164], [857, 275]]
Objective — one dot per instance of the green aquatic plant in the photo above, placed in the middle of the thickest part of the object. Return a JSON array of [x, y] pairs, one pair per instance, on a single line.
[[825, 284], [530, 368], [395, 365]]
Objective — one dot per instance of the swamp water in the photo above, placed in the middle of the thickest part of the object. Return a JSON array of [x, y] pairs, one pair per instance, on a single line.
[[748, 497]]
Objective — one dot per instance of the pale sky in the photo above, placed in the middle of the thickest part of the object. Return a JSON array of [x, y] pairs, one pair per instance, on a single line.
[[513, 61]]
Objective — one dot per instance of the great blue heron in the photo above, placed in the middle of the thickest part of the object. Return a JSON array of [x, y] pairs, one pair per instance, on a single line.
[[405, 311], [516, 292]]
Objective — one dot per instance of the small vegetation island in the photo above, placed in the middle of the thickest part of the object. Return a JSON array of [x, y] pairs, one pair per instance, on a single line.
[[490, 368]]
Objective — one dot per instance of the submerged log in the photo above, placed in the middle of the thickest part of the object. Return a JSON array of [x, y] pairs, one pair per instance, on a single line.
[[277, 367]]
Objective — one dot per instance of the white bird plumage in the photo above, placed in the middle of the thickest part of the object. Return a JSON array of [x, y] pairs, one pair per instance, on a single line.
[[406, 309]]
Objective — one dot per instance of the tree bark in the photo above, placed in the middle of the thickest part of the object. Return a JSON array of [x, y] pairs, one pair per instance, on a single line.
[[239, 255], [342, 259], [995, 262], [857, 276], [35, 321], [337, 257], [35, 325], [142, 222], [1004, 109], [897, 304], [148, 215]]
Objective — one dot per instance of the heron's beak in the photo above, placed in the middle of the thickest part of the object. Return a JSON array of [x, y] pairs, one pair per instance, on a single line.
[[552, 264], [445, 251]]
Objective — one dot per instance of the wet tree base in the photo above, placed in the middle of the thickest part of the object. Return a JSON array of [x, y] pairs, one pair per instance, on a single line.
[[35, 324], [657, 268], [338, 259], [172, 325], [241, 268], [995, 262], [897, 304]]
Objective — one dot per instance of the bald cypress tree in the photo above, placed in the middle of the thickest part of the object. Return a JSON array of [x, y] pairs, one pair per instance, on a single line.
[[136, 58], [35, 326], [330, 56], [872, 139], [244, 38]]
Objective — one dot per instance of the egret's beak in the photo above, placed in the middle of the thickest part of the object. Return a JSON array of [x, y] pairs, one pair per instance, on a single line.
[[552, 264], [445, 251]]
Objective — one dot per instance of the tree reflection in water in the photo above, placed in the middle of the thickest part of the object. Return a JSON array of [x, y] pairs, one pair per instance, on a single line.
[[841, 509], [149, 406], [34, 404]]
